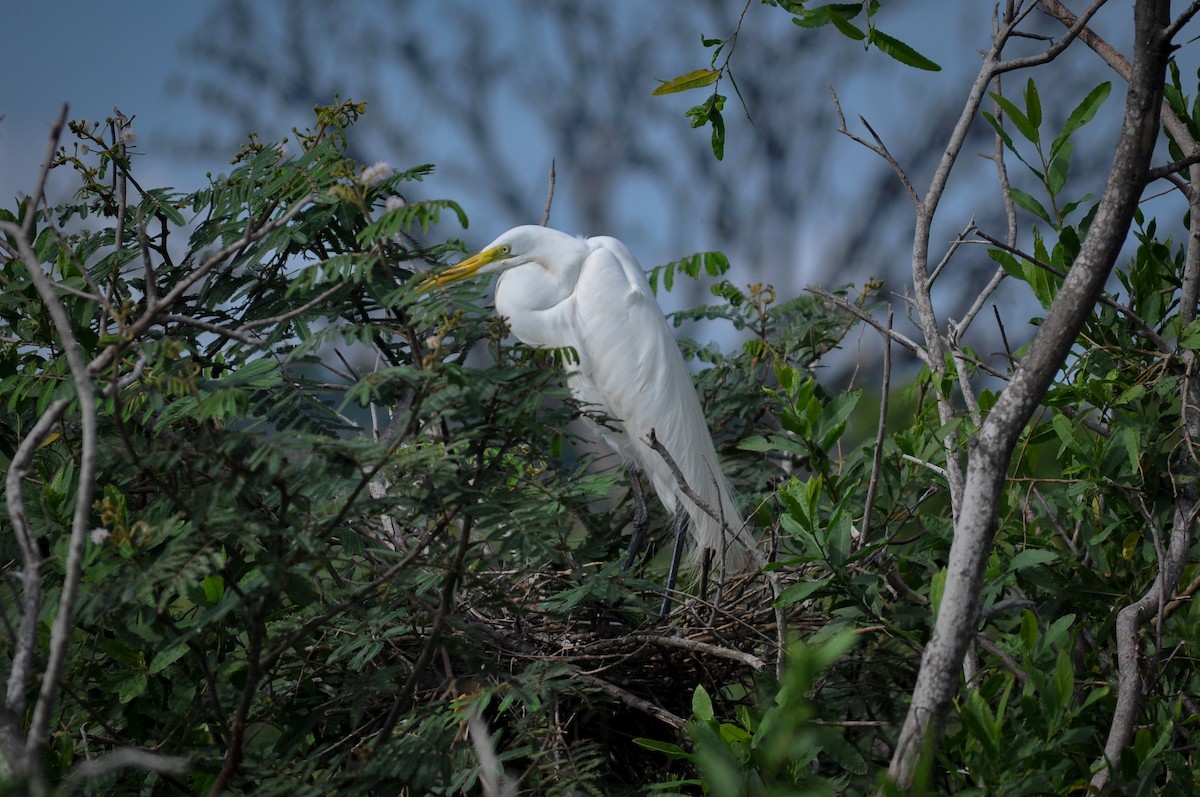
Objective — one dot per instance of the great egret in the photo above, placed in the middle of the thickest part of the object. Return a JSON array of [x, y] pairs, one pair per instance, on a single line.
[[557, 290]]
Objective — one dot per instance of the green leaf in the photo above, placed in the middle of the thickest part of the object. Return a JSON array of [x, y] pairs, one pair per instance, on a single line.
[[902, 52], [715, 263], [845, 755], [702, 707], [980, 723], [794, 593], [214, 588], [166, 657], [1008, 262], [1057, 630], [1024, 200], [1189, 338], [1000, 131], [843, 25], [1029, 630], [1083, 113], [1026, 128], [695, 79], [132, 687], [1060, 167], [1030, 557], [1033, 104], [666, 748], [936, 587], [1064, 678], [819, 16], [718, 134]]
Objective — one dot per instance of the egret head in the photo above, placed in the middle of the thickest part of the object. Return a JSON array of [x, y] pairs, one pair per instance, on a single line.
[[518, 246]]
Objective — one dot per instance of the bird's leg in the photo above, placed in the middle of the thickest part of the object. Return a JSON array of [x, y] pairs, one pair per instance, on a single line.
[[681, 527], [641, 520]]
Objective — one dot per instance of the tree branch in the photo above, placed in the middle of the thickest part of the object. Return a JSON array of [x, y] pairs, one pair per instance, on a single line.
[[991, 451]]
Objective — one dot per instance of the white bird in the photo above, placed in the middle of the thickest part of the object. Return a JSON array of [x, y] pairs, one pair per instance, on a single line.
[[557, 290]]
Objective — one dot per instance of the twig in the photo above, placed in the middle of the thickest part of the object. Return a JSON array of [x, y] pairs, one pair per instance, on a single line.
[[633, 701], [878, 147], [1053, 51], [549, 196], [290, 314], [1168, 169], [31, 583], [234, 750], [957, 242], [123, 758], [881, 429], [694, 645], [958, 329], [1184, 17], [1008, 661], [47, 163], [151, 278], [842, 304], [60, 632], [737, 536], [938, 469], [1105, 299], [225, 332]]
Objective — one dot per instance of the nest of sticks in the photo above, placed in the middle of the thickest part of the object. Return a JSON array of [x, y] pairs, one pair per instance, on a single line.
[[625, 674]]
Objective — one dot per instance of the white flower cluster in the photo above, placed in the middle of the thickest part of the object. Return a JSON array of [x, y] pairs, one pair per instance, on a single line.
[[375, 174]]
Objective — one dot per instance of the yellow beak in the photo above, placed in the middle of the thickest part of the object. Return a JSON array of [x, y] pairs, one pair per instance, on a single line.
[[463, 270]]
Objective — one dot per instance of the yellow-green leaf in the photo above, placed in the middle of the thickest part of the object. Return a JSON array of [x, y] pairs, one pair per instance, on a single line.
[[692, 80]]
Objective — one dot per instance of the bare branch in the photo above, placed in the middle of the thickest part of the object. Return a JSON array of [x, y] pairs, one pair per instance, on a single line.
[[60, 631], [123, 758], [1056, 49], [216, 329], [549, 196], [880, 431], [877, 147], [885, 330], [633, 701], [1168, 169], [40, 190], [290, 314]]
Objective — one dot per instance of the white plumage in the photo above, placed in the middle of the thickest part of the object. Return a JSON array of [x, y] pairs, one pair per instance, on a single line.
[[557, 290]]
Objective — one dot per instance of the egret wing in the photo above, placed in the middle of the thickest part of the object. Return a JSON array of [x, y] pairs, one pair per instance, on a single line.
[[635, 366]]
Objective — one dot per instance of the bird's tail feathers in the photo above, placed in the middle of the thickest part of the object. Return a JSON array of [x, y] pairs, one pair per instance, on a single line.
[[719, 527]]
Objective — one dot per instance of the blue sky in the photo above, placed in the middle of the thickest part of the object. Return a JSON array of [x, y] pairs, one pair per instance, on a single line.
[[93, 56]]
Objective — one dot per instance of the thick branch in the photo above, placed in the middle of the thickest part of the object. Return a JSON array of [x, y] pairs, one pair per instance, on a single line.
[[1131, 680], [60, 631], [991, 451]]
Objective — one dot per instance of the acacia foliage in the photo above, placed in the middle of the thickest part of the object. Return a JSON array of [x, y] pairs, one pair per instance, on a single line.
[[322, 544]]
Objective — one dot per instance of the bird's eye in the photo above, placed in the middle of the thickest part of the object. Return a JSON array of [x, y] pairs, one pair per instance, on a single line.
[[505, 249]]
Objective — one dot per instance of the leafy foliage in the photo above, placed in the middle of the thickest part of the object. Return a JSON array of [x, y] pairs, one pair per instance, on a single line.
[[315, 524], [344, 538]]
